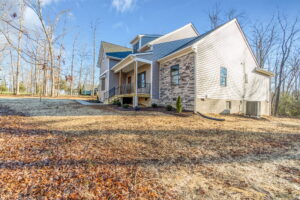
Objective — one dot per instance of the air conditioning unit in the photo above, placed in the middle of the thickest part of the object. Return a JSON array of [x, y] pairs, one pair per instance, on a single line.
[[253, 108]]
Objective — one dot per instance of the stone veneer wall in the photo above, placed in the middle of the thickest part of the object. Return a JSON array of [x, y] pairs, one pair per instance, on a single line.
[[169, 93]]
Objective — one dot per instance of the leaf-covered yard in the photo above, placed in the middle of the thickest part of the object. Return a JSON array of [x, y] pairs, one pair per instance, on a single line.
[[61, 149]]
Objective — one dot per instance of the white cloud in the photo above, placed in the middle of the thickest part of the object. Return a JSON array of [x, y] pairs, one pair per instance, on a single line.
[[121, 25], [123, 5], [46, 2], [30, 18]]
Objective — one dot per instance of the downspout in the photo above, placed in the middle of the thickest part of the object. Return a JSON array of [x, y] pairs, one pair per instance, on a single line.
[[244, 88], [195, 50], [151, 78]]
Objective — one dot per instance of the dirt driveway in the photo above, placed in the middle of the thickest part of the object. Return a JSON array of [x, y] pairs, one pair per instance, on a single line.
[[61, 149]]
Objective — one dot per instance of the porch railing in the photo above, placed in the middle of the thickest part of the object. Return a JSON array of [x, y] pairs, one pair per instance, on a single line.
[[128, 89], [144, 88]]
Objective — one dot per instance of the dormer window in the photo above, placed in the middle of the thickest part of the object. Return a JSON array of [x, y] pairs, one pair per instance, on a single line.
[[136, 47]]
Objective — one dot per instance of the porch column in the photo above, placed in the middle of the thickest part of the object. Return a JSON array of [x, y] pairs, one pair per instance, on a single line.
[[120, 81], [135, 85]]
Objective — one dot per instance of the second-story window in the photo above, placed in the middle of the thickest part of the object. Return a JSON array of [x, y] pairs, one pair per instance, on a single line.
[[136, 47], [103, 84], [175, 75], [223, 77]]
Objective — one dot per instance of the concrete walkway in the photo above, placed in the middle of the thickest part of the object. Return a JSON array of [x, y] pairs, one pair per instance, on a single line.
[[88, 103]]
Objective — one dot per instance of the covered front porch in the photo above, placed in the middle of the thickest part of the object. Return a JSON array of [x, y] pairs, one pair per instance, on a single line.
[[134, 81]]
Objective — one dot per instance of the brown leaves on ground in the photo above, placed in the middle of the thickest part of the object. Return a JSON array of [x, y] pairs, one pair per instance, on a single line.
[[68, 151]]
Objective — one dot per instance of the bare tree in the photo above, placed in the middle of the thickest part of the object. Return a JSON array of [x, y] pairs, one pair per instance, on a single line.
[[60, 58], [49, 31], [288, 35], [19, 50], [263, 41], [94, 26], [293, 73], [215, 16], [72, 66], [83, 55], [12, 71]]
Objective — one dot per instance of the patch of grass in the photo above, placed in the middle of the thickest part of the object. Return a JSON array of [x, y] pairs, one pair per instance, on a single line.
[[154, 105], [125, 106]]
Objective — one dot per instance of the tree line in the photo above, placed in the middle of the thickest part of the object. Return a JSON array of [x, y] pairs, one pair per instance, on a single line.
[[33, 57]]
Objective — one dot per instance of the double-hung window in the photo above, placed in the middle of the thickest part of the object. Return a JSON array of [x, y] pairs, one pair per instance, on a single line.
[[223, 77], [175, 75], [136, 47], [103, 84]]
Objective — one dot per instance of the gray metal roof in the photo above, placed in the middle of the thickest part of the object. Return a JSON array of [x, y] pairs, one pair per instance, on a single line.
[[163, 49]]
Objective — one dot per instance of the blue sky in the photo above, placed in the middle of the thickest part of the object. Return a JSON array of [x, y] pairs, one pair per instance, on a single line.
[[121, 20]]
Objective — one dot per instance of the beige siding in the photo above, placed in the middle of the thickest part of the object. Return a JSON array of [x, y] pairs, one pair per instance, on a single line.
[[226, 47], [113, 77], [185, 32], [104, 64], [102, 92]]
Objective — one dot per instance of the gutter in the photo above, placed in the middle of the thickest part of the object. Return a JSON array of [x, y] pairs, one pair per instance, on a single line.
[[103, 73], [128, 58], [115, 58], [265, 72]]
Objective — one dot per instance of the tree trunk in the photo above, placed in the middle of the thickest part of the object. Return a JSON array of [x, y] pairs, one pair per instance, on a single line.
[[20, 34], [13, 84], [17, 92], [80, 77], [72, 67], [278, 90]]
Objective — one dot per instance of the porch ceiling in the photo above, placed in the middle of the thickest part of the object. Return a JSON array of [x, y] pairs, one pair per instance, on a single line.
[[130, 67], [127, 64]]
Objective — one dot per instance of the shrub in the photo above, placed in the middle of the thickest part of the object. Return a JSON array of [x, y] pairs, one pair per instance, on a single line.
[[289, 106], [3, 88], [179, 104], [22, 87], [137, 108], [117, 102], [154, 105], [125, 106], [169, 108]]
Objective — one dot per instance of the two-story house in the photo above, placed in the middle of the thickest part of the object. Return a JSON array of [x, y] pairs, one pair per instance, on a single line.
[[214, 72], [110, 54]]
